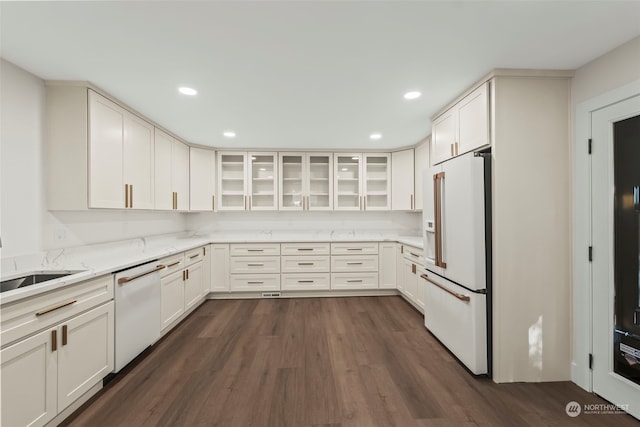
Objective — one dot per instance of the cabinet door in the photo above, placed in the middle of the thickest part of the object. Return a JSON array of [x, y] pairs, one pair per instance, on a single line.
[[172, 298], [473, 120], [319, 175], [106, 128], [85, 354], [202, 164], [219, 268], [206, 270], [421, 293], [410, 279], [376, 182], [232, 181], [347, 194], [443, 136], [292, 188], [180, 174], [421, 167], [193, 285], [29, 376], [263, 181], [387, 265], [402, 173], [162, 171], [138, 155], [399, 267]]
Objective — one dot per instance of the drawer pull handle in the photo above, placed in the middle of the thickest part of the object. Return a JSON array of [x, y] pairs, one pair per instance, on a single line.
[[174, 264], [354, 249], [415, 255], [305, 263], [255, 250], [461, 297], [54, 340], [255, 283], [255, 265], [194, 256], [305, 281], [54, 308], [137, 276], [305, 249], [354, 263], [354, 281]]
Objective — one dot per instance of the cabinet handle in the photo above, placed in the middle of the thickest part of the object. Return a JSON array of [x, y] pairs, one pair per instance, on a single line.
[[457, 148], [255, 265], [54, 340], [194, 256], [250, 201], [187, 274], [412, 208], [174, 263], [126, 195], [354, 281], [305, 263], [354, 263], [354, 249], [451, 147], [415, 255], [255, 250], [305, 249], [131, 195], [64, 335], [255, 283], [56, 307], [184, 275], [213, 203], [176, 200], [305, 281], [461, 297], [413, 268], [365, 202], [137, 276], [204, 251]]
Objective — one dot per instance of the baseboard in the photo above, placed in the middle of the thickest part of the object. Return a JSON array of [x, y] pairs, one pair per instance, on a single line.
[[75, 405]]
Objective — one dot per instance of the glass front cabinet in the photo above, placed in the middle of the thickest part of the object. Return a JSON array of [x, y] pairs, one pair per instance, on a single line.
[[306, 181], [362, 181], [247, 181]]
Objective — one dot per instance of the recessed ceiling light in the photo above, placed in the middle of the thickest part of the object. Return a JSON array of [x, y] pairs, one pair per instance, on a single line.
[[187, 91], [229, 134], [375, 136], [412, 95]]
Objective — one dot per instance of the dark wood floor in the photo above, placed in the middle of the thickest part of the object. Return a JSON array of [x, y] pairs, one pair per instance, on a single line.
[[319, 362]]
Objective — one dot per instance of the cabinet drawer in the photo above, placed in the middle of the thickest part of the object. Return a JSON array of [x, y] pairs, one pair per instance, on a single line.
[[255, 282], [252, 249], [173, 263], [193, 256], [306, 281], [240, 265], [354, 280], [352, 263], [25, 317], [413, 254], [298, 264], [306, 248], [356, 248]]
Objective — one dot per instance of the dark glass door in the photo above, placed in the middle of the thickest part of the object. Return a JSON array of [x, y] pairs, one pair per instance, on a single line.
[[626, 147]]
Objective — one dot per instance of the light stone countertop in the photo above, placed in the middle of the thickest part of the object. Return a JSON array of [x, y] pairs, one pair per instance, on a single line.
[[101, 259]]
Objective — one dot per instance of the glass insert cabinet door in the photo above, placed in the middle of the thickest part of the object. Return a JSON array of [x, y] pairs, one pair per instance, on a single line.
[[348, 178], [292, 188], [305, 181], [377, 182], [319, 181], [263, 168], [232, 184]]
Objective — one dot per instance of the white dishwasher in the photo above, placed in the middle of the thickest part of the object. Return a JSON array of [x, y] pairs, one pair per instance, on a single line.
[[137, 317]]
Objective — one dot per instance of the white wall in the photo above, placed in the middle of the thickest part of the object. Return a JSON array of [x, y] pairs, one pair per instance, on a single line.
[[26, 227], [608, 79]]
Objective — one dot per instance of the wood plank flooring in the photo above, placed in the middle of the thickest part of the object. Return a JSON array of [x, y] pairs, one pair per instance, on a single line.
[[340, 362]]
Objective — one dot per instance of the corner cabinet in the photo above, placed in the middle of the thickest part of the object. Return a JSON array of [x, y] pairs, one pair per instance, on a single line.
[[362, 181], [462, 128], [171, 173], [202, 177], [247, 181], [402, 178], [305, 181]]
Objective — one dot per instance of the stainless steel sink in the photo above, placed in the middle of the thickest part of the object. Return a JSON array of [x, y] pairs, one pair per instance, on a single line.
[[33, 278]]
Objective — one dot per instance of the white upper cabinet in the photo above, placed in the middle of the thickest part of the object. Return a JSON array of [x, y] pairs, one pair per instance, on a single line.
[[247, 181], [171, 173], [202, 163], [362, 181], [376, 181], [402, 178], [421, 168], [305, 181], [463, 127], [121, 150]]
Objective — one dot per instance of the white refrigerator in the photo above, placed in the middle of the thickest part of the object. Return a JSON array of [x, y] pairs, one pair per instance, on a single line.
[[457, 242]]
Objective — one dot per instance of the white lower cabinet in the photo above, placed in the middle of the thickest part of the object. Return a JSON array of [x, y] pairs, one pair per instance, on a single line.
[[254, 267], [181, 284], [255, 282], [193, 285], [172, 297], [45, 373], [305, 281], [354, 280], [357, 268], [410, 279], [220, 267], [413, 286], [387, 265]]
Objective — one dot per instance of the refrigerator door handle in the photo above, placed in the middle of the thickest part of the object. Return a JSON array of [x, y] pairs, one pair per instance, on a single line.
[[438, 182], [461, 297]]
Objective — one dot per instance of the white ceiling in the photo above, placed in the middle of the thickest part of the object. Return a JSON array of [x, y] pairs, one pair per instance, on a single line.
[[312, 74]]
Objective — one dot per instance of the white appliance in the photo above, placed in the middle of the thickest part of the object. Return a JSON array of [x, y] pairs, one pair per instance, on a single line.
[[457, 242], [137, 317]]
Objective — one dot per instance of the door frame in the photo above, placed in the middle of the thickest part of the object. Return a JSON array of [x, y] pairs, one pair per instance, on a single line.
[[581, 301]]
